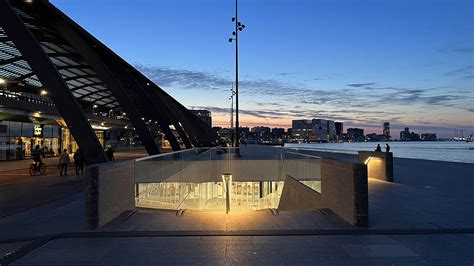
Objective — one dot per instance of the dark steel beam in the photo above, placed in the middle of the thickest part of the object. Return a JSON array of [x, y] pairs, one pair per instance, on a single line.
[[59, 92], [113, 85], [183, 135], [135, 90], [162, 108], [194, 126]]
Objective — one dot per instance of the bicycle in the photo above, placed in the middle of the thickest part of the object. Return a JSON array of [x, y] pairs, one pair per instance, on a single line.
[[41, 169]]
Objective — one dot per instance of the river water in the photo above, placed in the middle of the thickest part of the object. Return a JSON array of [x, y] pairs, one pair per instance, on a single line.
[[452, 151]]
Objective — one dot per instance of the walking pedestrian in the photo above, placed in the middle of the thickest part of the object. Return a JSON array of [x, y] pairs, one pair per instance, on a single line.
[[79, 162], [63, 162]]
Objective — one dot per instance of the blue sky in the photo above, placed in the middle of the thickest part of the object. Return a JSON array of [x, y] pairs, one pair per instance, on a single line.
[[360, 62]]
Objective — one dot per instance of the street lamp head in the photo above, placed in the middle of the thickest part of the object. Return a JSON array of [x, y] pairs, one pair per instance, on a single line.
[[233, 19], [240, 28], [230, 39], [238, 24], [233, 33], [243, 26]]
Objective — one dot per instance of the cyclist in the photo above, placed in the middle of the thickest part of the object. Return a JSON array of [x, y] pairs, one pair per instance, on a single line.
[[36, 154]]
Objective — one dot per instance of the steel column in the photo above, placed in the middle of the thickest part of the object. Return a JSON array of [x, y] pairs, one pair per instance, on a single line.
[[122, 72], [183, 136], [114, 86]]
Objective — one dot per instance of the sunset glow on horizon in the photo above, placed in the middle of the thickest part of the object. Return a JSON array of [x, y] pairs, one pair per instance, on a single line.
[[359, 62]]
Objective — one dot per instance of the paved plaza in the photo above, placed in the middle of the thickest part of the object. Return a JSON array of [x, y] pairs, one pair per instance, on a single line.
[[424, 217]]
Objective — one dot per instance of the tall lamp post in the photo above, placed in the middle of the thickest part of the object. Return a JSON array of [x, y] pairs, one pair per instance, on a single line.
[[231, 98], [238, 27]]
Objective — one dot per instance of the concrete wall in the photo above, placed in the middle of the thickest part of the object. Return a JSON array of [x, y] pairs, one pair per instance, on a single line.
[[344, 190], [379, 164], [109, 191], [298, 197]]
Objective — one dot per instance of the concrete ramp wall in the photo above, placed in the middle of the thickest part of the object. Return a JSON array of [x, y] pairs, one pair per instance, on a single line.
[[298, 197], [344, 190], [109, 191]]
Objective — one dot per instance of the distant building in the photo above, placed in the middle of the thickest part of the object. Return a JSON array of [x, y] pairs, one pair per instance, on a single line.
[[428, 136], [301, 129], [289, 131], [320, 130], [375, 137], [261, 132], [223, 133], [314, 130], [261, 129], [339, 130], [278, 132], [405, 134], [386, 130], [409, 136], [355, 134], [204, 115], [243, 131], [331, 135]]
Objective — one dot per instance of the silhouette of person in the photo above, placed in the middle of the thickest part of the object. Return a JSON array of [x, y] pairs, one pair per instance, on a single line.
[[387, 147], [79, 162], [378, 148], [110, 154]]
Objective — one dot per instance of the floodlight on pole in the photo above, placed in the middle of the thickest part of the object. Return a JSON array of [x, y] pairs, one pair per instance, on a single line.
[[238, 27]]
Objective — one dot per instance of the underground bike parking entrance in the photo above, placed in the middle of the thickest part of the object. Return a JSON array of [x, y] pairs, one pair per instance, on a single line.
[[216, 180], [221, 180]]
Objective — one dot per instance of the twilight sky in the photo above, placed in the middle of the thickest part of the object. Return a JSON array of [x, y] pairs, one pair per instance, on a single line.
[[410, 62]]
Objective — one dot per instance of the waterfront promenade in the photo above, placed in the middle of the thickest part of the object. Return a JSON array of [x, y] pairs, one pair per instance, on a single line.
[[424, 217]]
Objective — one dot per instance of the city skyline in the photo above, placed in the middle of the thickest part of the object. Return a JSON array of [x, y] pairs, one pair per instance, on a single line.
[[360, 64]]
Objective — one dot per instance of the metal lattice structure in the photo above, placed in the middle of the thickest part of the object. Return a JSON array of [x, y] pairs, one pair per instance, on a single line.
[[40, 47]]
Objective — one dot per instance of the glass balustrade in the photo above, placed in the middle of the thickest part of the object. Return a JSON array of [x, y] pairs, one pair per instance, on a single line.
[[193, 179]]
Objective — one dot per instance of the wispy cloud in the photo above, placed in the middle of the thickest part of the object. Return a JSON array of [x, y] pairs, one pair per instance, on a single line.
[[463, 50], [365, 102], [287, 73], [188, 79], [358, 85], [462, 71]]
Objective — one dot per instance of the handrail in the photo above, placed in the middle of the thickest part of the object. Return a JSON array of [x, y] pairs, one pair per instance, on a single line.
[[173, 152], [304, 155], [324, 150]]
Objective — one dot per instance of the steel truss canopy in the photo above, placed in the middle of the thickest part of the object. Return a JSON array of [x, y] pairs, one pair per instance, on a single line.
[[44, 52]]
